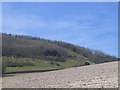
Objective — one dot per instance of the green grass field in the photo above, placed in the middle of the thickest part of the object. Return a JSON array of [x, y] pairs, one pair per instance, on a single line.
[[28, 64]]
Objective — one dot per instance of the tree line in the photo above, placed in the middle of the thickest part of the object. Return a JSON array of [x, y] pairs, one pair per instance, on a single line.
[[36, 47]]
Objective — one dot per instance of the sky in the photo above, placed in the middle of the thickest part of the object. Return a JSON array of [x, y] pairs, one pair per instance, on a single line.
[[92, 25]]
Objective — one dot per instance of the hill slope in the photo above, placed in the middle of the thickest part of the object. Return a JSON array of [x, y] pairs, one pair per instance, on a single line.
[[23, 51]]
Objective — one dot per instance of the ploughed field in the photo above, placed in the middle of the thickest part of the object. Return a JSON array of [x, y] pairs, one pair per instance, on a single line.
[[103, 75]]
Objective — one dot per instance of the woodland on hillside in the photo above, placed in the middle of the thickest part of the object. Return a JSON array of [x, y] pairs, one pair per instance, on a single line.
[[57, 53]]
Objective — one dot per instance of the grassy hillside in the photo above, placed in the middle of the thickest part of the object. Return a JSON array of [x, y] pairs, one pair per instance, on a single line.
[[28, 64], [23, 53]]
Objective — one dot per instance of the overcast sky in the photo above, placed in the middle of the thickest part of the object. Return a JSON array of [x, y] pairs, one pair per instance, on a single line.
[[91, 25]]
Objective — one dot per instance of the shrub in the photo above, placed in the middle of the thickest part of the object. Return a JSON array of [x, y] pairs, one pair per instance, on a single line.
[[87, 63], [57, 64], [52, 63]]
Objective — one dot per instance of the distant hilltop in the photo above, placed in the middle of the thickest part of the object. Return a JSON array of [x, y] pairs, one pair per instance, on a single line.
[[35, 47]]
